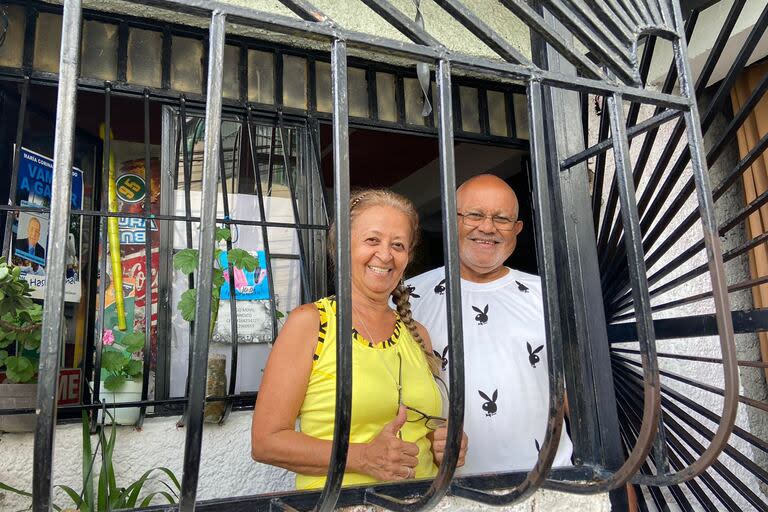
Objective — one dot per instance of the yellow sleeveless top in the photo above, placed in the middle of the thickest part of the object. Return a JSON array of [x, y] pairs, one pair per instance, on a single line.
[[374, 392]]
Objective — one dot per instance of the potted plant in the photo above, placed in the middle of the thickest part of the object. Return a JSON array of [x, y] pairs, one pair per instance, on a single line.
[[20, 330], [122, 369], [106, 494]]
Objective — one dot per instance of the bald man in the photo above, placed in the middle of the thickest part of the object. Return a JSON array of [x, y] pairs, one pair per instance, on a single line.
[[506, 378], [29, 246]]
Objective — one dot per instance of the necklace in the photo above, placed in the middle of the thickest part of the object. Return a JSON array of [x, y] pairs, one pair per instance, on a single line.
[[383, 362]]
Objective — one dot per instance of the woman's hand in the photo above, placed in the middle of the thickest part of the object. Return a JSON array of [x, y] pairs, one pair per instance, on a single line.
[[388, 457], [438, 438]]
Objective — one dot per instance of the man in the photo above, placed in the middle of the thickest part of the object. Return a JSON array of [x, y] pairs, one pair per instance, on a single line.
[[506, 378], [29, 246]]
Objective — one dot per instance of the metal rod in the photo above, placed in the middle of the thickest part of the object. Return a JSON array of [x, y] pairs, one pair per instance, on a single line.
[[699, 359], [263, 217], [343, 416], [16, 161], [605, 143], [148, 280], [622, 14], [53, 313], [609, 19], [306, 11], [401, 22], [546, 259], [197, 385], [597, 190], [442, 481], [483, 32]]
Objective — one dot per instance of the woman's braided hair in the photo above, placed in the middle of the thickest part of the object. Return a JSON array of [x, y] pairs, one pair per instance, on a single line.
[[362, 199]]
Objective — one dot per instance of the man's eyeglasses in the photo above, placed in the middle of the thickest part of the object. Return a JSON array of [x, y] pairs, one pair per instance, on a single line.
[[474, 219], [414, 415]]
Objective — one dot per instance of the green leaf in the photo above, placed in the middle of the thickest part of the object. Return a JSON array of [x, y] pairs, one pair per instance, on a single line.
[[218, 279], [242, 259], [134, 368], [19, 369], [87, 460], [6, 487], [114, 382], [187, 305], [223, 234], [133, 342], [3, 355], [279, 314], [148, 499], [186, 260], [113, 360], [73, 494]]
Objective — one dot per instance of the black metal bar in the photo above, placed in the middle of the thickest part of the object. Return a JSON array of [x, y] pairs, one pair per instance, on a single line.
[[341, 427], [262, 216], [749, 321], [232, 291], [122, 52], [609, 20], [401, 22], [305, 10], [597, 190], [442, 481], [699, 359], [178, 218], [615, 57], [53, 313], [482, 31], [16, 160], [536, 22], [544, 246], [194, 416], [622, 13], [285, 141], [148, 280], [605, 143]]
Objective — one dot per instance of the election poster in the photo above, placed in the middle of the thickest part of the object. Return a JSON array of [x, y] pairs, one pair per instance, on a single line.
[[30, 228]]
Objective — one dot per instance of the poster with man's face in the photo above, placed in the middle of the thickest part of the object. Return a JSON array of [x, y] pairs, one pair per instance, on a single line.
[[29, 250]]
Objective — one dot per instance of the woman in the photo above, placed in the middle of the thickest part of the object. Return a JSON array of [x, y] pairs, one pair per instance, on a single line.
[[394, 396]]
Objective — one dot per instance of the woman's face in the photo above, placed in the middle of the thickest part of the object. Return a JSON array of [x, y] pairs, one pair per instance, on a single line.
[[381, 245]]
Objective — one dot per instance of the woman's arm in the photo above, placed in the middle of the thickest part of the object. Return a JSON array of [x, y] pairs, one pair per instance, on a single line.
[[273, 437]]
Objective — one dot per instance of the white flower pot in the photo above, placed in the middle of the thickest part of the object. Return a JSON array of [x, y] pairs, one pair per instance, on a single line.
[[130, 391]]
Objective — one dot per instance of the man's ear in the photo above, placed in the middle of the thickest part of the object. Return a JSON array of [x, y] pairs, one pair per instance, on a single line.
[[518, 227]]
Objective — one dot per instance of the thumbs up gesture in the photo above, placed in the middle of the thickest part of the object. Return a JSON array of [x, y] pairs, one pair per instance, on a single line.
[[388, 457]]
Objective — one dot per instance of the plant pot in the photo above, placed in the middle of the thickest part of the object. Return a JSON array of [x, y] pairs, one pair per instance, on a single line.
[[18, 396], [130, 391]]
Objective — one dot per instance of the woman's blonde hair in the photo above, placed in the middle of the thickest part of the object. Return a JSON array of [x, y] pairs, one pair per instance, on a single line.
[[359, 201]]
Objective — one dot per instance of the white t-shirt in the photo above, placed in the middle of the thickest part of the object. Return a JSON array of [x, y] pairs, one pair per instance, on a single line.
[[506, 378]]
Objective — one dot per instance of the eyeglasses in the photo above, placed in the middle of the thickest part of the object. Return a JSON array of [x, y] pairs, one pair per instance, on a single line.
[[474, 219], [413, 415]]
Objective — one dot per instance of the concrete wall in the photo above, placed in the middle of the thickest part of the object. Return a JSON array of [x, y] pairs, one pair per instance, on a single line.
[[226, 467]]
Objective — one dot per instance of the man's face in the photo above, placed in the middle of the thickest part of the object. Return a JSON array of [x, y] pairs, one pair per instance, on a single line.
[[33, 232], [483, 246]]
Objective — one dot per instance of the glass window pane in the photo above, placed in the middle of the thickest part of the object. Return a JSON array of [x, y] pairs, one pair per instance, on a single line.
[[186, 64], [323, 86], [520, 105], [145, 49], [231, 87], [497, 113], [385, 95], [358, 92], [99, 50], [261, 77], [47, 42], [470, 110], [414, 102], [294, 82], [12, 51]]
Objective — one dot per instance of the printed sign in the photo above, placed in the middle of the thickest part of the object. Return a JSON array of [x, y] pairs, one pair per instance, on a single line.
[[30, 228]]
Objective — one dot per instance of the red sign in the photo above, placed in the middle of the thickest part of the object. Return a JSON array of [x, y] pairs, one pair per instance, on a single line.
[[70, 380]]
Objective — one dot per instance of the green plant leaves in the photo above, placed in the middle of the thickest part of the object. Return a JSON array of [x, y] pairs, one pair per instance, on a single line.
[[19, 369], [185, 260], [114, 382], [113, 360], [187, 305], [242, 259], [133, 342], [134, 368], [223, 234]]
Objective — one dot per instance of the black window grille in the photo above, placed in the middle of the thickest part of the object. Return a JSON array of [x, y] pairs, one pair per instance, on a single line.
[[586, 249]]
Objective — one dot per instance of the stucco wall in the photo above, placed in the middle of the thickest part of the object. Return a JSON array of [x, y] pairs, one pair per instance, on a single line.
[[226, 467]]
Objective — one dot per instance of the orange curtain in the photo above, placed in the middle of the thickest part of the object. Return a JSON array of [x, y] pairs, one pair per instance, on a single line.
[[755, 182]]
